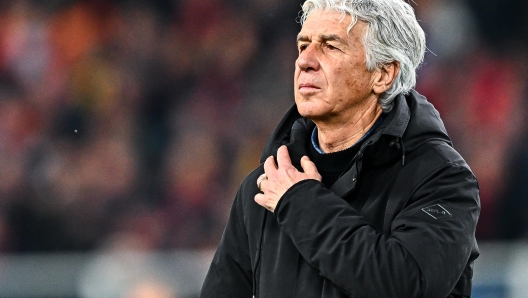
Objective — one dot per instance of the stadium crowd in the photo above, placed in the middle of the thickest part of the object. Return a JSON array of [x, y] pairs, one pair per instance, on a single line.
[[132, 123]]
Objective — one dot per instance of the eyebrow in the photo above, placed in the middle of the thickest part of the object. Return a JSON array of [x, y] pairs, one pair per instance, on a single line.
[[324, 38], [302, 38]]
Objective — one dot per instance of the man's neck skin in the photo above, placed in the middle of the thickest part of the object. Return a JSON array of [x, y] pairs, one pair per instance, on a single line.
[[334, 137]]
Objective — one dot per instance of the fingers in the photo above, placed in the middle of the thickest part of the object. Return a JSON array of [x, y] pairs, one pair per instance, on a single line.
[[261, 179], [284, 162], [309, 168], [261, 200], [283, 157]]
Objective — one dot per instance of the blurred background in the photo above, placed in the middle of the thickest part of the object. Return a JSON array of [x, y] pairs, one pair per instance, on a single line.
[[127, 126]]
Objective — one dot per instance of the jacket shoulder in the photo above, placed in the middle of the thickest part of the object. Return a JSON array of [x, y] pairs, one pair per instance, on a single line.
[[448, 155]]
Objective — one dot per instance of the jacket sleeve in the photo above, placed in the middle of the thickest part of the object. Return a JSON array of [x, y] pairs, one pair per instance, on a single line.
[[420, 257], [229, 275]]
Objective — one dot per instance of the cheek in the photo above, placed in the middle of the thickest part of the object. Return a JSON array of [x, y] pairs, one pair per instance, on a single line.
[[356, 80], [342, 82]]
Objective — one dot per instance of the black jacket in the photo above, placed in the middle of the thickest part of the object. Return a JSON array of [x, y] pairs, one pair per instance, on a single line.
[[399, 223]]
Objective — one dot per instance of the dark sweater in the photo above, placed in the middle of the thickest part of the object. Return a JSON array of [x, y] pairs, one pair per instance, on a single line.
[[332, 165]]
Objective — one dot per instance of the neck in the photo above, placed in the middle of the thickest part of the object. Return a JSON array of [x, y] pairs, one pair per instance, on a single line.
[[335, 137]]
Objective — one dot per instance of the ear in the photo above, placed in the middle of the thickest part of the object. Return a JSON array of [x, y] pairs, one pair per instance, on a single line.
[[384, 76]]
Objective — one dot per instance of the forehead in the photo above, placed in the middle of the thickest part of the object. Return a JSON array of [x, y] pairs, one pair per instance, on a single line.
[[325, 22]]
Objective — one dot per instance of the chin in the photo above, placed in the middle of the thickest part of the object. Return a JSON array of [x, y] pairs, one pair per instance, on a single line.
[[310, 110]]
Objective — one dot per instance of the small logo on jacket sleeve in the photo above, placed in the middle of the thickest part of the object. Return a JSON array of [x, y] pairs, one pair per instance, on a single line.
[[437, 211]]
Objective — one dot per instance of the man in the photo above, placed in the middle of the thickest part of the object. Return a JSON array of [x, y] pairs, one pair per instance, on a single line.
[[361, 193]]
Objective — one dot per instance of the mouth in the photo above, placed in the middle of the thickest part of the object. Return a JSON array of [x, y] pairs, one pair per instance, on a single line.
[[308, 87]]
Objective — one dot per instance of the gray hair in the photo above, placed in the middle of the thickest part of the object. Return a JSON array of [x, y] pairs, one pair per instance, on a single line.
[[393, 34]]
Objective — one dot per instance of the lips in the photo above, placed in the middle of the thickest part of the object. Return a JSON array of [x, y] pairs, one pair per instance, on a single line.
[[308, 86]]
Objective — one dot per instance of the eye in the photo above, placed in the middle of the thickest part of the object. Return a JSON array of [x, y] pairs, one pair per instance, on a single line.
[[303, 47], [331, 47]]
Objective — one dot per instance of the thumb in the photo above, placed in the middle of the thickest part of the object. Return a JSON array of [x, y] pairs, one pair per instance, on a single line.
[[309, 168]]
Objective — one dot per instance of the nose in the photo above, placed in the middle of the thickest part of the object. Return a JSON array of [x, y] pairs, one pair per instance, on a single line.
[[308, 59]]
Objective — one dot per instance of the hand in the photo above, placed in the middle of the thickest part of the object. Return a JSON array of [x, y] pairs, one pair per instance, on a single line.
[[276, 180]]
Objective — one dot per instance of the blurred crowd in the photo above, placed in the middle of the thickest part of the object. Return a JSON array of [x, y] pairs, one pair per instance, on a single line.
[[132, 123]]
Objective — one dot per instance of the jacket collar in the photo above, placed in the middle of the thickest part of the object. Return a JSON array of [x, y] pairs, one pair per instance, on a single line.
[[412, 121], [378, 148], [394, 125], [398, 119]]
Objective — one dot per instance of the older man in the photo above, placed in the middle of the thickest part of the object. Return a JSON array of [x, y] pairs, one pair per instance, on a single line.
[[361, 193]]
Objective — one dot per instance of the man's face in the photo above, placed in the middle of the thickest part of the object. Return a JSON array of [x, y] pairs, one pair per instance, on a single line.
[[331, 80]]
